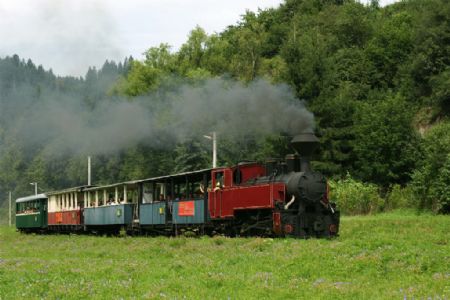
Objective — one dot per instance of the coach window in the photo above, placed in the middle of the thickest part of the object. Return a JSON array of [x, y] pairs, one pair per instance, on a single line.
[[160, 193], [131, 194], [147, 192], [120, 193]]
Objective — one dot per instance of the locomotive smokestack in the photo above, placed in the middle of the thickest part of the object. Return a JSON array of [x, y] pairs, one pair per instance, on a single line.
[[305, 143], [293, 163]]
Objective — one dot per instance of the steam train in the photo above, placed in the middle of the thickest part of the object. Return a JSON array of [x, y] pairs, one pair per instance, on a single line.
[[279, 198]]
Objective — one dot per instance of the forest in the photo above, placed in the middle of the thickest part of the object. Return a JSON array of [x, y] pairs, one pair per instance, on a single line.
[[375, 82]]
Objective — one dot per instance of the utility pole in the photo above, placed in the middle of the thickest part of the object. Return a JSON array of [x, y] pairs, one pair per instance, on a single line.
[[35, 187], [10, 205], [89, 170], [213, 137]]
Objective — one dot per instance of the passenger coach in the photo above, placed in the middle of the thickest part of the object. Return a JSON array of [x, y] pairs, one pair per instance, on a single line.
[[31, 213], [65, 209], [171, 203]]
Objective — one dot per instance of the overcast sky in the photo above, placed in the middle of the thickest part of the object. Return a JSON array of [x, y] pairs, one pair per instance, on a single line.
[[70, 35]]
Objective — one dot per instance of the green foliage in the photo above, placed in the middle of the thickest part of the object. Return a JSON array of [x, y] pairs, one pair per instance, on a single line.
[[191, 156], [274, 69], [334, 115], [134, 164], [400, 197], [440, 95], [355, 197], [191, 53], [245, 62], [215, 57], [141, 79], [431, 53], [387, 147], [390, 47], [160, 58], [431, 181], [12, 166]]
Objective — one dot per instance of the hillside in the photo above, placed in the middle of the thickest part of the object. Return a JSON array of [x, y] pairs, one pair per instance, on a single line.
[[377, 80]]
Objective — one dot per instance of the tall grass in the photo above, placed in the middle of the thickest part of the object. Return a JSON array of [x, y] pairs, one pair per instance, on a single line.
[[383, 256], [354, 197]]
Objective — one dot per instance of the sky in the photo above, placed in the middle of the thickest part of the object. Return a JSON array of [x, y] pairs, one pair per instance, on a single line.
[[68, 36]]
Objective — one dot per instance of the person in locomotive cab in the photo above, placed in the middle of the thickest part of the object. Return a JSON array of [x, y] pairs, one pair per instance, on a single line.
[[201, 189], [219, 182]]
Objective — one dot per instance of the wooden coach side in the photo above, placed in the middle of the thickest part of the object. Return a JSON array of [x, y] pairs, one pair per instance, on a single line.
[[31, 212]]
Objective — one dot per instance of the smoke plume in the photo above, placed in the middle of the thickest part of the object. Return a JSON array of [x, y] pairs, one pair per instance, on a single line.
[[63, 124], [237, 111]]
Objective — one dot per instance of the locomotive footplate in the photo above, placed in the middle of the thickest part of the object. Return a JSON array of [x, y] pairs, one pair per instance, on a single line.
[[305, 225]]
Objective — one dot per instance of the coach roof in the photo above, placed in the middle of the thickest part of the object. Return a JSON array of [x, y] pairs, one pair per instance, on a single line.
[[133, 182], [174, 175], [70, 190], [31, 198]]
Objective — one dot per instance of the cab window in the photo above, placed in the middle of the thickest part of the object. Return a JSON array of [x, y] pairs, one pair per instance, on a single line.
[[219, 179]]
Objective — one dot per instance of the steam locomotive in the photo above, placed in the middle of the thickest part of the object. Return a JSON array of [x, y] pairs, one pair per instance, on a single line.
[[279, 198]]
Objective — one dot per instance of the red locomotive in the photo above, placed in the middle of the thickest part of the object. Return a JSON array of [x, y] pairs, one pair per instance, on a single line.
[[281, 198]]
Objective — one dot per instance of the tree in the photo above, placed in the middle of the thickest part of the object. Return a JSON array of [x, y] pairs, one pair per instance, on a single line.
[[390, 48], [160, 58], [386, 146], [141, 79], [431, 180], [190, 156], [248, 45], [147, 76], [191, 53]]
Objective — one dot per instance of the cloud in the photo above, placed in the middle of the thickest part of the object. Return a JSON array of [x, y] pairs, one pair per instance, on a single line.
[[66, 36], [70, 35]]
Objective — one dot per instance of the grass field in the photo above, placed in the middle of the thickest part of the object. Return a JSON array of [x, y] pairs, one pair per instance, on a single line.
[[387, 256]]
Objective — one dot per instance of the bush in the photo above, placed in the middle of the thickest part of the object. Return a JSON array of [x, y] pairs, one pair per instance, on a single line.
[[400, 197], [354, 197], [431, 181], [385, 146]]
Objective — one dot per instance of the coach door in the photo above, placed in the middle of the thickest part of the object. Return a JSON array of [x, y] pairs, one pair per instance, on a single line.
[[216, 192]]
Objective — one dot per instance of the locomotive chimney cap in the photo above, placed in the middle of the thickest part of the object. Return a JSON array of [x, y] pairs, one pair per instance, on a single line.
[[305, 143]]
